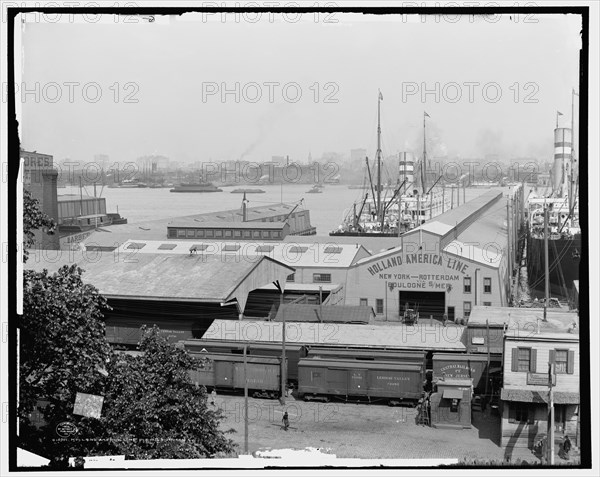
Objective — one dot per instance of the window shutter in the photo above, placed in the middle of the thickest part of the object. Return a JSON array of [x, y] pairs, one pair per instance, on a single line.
[[571, 362], [515, 360], [533, 361], [552, 358], [512, 413]]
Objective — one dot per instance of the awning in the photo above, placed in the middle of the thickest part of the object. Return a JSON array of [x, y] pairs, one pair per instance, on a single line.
[[452, 394], [540, 397]]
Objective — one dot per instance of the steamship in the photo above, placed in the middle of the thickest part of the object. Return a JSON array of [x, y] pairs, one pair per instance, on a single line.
[[563, 227], [378, 215]]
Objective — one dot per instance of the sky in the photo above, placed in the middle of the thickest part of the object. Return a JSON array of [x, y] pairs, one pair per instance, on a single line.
[[303, 86]]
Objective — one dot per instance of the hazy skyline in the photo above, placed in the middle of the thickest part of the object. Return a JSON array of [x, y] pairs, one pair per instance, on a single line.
[[176, 67]]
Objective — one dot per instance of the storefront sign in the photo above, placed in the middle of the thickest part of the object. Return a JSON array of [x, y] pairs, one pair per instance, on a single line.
[[540, 379], [417, 258]]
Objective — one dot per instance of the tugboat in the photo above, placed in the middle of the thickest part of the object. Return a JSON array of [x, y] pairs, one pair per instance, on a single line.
[[196, 187]]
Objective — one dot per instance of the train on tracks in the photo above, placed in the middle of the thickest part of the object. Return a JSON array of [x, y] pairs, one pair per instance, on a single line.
[[317, 372]]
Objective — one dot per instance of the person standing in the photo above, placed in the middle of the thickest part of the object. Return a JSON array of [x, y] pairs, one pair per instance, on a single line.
[[213, 397], [566, 447], [286, 421]]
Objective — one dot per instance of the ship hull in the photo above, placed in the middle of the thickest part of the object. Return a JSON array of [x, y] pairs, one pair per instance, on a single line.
[[194, 191], [563, 258]]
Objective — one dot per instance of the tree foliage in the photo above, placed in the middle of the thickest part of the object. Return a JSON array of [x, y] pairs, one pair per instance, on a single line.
[[33, 219], [62, 343], [150, 410], [154, 410]]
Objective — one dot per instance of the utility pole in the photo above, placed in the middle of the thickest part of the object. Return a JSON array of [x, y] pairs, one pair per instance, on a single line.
[[283, 373], [487, 369], [246, 399], [546, 266], [550, 434]]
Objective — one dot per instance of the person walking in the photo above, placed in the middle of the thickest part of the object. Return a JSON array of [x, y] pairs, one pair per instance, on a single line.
[[286, 421]]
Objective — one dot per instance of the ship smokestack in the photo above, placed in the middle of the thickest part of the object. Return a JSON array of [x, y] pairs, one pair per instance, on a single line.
[[563, 143]]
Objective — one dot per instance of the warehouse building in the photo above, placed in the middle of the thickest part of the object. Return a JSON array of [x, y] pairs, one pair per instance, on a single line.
[[320, 269], [181, 294], [443, 268], [40, 179]]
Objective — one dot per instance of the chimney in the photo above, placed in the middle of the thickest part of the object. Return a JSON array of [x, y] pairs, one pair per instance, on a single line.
[[244, 209]]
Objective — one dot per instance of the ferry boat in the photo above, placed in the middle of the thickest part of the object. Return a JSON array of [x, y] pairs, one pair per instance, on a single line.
[[247, 191], [380, 215], [563, 227], [196, 187]]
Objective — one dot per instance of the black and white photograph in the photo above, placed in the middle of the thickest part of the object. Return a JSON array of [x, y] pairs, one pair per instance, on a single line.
[[248, 238]]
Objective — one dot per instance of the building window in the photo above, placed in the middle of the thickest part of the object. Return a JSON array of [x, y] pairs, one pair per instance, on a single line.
[[210, 233], [181, 233], [237, 233], [228, 233], [172, 233], [291, 277], [467, 309], [487, 303], [364, 302], [467, 284], [520, 413], [487, 285], [266, 234], [564, 361], [321, 277], [379, 306], [524, 359], [277, 234], [247, 234], [190, 233], [218, 233]]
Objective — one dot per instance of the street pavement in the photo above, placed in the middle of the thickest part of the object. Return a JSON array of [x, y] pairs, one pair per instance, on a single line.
[[367, 431]]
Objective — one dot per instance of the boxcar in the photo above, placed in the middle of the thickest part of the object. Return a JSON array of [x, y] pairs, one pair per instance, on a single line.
[[358, 380], [414, 357], [293, 352], [226, 372]]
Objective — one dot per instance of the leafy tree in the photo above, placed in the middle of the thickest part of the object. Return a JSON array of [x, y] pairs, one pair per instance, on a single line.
[[154, 411], [33, 219], [150, 410]]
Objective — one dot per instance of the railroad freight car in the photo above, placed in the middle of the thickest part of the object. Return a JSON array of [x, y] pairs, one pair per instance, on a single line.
[[362, 354], [348, 380], [226, 372], [293, 352]]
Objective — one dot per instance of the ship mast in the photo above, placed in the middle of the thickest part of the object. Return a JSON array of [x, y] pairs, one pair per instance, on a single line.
[[378, 204], [424, 164], [571, 187]]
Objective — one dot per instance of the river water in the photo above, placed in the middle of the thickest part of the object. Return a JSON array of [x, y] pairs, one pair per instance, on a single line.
[[327, 209]]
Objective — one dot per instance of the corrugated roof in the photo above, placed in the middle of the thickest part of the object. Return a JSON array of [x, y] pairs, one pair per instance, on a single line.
[[420, 336], [523, 322], [540, 397], [132, 274], [326, 313], [313, 255], [157, 229], [196, 224]]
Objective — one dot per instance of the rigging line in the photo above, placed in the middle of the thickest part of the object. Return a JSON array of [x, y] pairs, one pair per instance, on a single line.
[[553, 265]]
